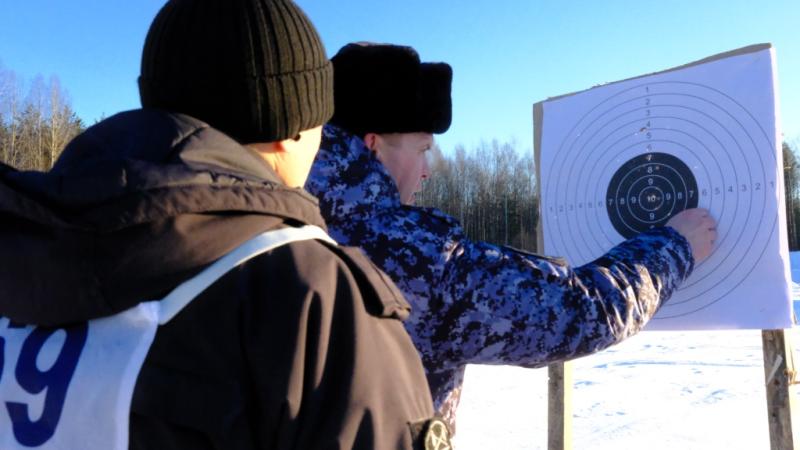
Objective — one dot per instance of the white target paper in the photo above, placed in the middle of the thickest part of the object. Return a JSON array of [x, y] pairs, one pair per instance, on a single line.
[[624, 157]]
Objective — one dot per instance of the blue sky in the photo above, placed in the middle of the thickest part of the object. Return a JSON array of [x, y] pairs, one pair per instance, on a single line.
[[506, 55]]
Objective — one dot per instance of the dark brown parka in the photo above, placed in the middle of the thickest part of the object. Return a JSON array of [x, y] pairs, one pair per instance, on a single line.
[[299, 348]]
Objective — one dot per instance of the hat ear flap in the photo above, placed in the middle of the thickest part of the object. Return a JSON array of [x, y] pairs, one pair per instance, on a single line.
[[436, 104]]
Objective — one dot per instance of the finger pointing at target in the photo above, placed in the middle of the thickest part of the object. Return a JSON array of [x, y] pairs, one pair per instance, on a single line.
[[699, 228]]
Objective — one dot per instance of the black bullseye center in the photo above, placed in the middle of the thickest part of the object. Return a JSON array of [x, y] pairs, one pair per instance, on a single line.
[[647, 190]]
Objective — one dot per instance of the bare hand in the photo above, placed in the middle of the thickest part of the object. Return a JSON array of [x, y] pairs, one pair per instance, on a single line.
[[699, 228]]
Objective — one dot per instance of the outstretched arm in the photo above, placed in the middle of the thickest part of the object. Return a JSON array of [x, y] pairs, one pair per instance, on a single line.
[[474, 302], [495, 305]]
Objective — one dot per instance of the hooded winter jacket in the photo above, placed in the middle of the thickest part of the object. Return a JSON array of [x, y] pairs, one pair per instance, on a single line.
[[300, 347], [474, 302]]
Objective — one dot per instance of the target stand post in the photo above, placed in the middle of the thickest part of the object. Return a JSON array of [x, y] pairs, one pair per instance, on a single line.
[[559, 406], [779, 377], [559, 375]]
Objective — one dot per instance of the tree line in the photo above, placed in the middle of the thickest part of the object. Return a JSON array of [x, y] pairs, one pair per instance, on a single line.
[[35, 123], [791, 177], [492, 191]]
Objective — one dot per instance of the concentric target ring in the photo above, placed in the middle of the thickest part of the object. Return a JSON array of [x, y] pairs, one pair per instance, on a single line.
[[708, 143], [656, 186]]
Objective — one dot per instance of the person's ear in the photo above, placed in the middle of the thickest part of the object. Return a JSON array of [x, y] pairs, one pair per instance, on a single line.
[[371, 141], [288, 145], [280, 147]]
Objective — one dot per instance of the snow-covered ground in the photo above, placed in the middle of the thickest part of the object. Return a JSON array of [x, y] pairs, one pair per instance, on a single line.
[[657, 390]]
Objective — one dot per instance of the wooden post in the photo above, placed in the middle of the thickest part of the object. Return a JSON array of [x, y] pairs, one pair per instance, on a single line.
[[559, 406], [779, 375], [559, 385]]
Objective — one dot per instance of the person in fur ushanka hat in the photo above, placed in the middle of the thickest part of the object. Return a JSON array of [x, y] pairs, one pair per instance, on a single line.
[[472, 302]]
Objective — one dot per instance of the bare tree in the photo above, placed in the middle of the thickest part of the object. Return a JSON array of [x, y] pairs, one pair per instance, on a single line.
[[791, 175], [33, 132], [62, 123], [490, 190], [9, 110]]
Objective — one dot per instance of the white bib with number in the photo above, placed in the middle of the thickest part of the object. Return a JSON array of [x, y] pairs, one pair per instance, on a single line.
[[71, 388]]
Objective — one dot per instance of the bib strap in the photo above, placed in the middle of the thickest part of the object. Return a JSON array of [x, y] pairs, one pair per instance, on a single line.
[[184, 293]]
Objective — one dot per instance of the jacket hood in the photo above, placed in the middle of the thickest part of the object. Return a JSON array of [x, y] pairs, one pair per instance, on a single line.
[[134, 205], [349, 180]]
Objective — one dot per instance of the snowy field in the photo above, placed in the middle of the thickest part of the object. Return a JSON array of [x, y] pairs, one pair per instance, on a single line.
[[657, 390]]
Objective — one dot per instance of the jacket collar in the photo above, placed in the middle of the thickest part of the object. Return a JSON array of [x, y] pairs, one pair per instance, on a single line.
[[136, 204], [149, 164], [348, 179]]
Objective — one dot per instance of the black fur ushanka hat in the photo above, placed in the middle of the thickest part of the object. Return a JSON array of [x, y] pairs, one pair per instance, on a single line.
[[381, 88]]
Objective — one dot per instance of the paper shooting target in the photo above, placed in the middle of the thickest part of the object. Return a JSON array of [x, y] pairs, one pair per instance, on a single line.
[[623, 158]]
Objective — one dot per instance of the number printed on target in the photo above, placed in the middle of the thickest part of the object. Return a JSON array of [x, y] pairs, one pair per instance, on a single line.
[[623, 158]]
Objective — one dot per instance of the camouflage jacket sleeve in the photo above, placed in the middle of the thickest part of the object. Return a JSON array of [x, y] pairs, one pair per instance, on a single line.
[[476, 302]]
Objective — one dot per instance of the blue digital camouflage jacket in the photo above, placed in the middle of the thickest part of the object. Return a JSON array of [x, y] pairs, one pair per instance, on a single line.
[[475, 302]]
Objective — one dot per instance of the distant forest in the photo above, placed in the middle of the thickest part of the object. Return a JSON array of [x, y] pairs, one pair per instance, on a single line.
[[490, 189]]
